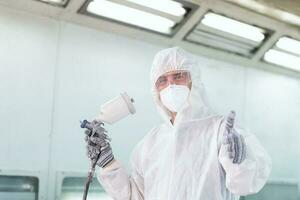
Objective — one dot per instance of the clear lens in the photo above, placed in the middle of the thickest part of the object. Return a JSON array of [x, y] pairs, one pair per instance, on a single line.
[[175, 77]]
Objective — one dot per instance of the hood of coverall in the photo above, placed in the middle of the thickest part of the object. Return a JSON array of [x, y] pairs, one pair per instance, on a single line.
[[173, 59]]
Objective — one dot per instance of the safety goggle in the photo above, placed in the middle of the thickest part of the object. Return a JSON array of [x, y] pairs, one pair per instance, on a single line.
[[175, 77]]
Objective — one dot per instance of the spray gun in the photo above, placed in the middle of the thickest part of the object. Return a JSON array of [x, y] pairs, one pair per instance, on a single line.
[[110, 112]]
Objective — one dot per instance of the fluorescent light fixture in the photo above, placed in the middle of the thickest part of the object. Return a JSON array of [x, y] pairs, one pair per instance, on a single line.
[[72, 187], [19, 187], [131, 16], [226, 34], [78, 196], [162, 16], [166, 6], [55, 2], [289, 44], [233, 27], [284, 59]]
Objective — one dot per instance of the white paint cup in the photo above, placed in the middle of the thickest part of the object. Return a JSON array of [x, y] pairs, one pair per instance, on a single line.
[[116, 109]]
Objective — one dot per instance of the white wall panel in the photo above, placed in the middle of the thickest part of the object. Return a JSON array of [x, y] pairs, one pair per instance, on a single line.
[[28, 49], [273, 113], [27, 62], [225, 87]]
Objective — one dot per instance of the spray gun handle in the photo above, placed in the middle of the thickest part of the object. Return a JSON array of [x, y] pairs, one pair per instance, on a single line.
[[90, 126], [94, 128]]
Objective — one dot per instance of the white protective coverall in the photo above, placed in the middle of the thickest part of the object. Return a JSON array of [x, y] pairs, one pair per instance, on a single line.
[[187, 160]]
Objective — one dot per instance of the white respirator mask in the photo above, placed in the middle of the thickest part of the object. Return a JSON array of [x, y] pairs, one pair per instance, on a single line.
[[173, 97]]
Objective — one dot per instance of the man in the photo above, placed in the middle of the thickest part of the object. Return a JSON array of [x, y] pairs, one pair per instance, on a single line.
[[194, 155]]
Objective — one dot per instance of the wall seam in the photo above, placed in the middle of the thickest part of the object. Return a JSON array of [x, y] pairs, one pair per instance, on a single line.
[[245, 96], [52, 122]]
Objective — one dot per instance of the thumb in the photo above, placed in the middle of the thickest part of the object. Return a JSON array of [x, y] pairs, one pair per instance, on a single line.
[[230, 121]]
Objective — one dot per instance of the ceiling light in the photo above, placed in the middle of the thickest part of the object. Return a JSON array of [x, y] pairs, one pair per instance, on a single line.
[[228, 35], [289, 44], [233, 27], [166, 6], [283, 59], [130, 15], [162, 16], [56, 2]]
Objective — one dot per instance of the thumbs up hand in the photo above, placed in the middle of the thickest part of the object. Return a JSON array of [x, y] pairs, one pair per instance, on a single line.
[[236, 147]]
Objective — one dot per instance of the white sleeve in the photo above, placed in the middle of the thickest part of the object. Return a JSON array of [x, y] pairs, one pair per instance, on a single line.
[[118, 184], [251, 175]]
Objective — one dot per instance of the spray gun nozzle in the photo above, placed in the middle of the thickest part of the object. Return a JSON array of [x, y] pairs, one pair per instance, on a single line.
[[83, 123]]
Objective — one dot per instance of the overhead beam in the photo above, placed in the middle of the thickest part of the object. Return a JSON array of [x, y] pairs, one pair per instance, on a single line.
[[34, 7], [71, 9], [194, 19], [266, 46]]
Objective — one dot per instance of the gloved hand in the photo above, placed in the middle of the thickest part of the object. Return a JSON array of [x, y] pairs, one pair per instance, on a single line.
[[97, 145], [235, 142]]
